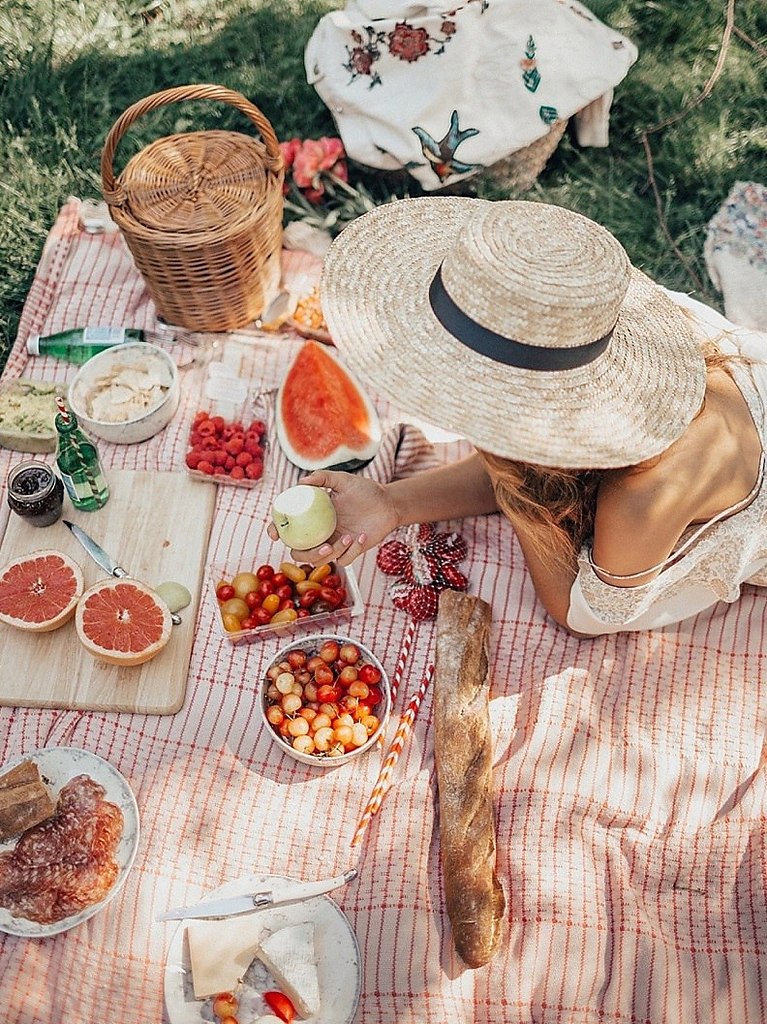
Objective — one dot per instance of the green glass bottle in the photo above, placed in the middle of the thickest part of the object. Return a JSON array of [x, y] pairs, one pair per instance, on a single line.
[[78, 345], [78, 460]]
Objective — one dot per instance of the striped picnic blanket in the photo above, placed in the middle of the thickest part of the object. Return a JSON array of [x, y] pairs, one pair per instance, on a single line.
[[629, 789]]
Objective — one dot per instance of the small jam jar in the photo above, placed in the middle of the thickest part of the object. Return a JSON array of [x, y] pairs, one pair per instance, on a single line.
[[35, 493]]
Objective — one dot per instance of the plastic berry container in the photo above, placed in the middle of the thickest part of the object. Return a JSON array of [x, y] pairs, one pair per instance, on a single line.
[[227, 451], [311, 746], [310, 616]]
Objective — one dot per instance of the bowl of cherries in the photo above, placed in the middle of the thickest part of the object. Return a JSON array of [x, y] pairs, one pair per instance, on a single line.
[[325, 700], [272, 600]]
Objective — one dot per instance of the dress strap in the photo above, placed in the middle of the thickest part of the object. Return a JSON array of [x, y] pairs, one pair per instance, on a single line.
[[675, 555]]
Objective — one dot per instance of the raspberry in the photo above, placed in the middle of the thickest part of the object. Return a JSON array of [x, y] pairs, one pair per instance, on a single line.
[[423, 603], [453, 577], [393, 557], [448, 547]]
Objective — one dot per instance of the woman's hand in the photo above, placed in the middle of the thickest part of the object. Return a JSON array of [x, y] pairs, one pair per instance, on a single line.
[[365, 515]]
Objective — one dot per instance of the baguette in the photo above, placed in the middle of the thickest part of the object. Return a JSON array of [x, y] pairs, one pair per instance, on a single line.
[[24, 800], [464, 760]]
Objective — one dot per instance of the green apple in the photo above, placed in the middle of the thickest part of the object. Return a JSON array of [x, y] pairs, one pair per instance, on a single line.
[[304, 516]]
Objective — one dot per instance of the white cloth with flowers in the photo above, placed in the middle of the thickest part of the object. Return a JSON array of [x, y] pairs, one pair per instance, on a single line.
[[736, 253], [445, 92]]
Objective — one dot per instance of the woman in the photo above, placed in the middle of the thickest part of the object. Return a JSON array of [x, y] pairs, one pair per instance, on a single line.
[[629, 463]]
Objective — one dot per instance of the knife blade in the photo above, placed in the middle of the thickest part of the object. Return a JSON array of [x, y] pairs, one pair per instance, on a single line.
[[282, 892], [100, 557], [97, 553]]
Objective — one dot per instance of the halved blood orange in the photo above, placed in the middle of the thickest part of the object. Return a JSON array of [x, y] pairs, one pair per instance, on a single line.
[[123, 622], [39, 592]]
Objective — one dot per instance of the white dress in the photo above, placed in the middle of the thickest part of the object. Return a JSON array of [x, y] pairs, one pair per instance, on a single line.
[[712, 561]]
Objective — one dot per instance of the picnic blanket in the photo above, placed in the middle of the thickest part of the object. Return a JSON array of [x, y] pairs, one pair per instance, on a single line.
[[630, 790]]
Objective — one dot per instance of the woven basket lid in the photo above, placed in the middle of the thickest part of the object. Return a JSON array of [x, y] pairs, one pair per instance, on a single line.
[[196, 181]]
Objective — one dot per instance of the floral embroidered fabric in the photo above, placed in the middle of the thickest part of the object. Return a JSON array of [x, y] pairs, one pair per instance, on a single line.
[[444, 91], [732, 552]]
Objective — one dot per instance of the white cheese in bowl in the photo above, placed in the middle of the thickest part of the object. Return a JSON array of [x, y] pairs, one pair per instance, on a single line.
[[125, 392]]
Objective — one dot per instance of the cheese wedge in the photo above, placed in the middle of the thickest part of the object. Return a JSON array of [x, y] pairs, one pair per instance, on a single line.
[[289, 954], [221, 952]]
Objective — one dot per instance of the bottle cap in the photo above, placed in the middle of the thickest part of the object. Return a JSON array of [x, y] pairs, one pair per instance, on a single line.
[[33, 344]]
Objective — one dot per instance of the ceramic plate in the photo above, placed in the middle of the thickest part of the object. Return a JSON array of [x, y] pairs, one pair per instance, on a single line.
[[57, 766], [338, 961]]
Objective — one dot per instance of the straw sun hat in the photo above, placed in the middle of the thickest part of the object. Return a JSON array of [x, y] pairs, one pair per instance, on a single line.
[[520, 326]]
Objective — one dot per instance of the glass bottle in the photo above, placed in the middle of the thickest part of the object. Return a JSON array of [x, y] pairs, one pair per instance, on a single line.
[[35, 493], [78, 345], [78, 460]]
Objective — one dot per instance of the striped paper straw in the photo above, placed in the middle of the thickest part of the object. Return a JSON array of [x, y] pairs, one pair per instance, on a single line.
[[407, 642], [383, 782], [399, 668]]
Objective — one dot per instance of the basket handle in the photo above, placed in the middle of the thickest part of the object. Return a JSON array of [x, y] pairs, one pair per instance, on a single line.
[[113, 191]]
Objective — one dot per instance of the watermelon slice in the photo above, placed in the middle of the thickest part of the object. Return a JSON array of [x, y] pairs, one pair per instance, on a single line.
[[324, 419]]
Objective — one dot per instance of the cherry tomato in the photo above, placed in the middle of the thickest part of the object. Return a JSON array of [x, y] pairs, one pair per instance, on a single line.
[[279, 578], [286, 602], [253, 599], [334, 581], [225, 591], [281, 1006], [235, 606], [243, 583], [271, 603], [262, 616], [264, 572], [265, 587], [248, 623], [283, 591], [332, 597], [307, 600], [231, 623], [303, 613]]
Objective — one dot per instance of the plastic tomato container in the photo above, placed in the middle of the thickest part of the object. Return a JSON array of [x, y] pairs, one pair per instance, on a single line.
[[311, 645], [352, 607]]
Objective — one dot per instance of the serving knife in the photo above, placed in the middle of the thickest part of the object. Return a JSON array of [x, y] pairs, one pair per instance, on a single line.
[[100, 557], [281, 892]]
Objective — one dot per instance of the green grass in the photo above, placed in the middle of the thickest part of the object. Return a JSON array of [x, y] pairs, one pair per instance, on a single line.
[[68, 68]]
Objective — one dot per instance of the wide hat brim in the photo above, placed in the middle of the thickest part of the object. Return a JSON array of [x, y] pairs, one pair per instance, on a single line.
[[629, 404]]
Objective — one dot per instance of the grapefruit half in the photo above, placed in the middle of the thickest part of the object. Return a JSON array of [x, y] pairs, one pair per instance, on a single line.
[[39, 592], [122, 622]]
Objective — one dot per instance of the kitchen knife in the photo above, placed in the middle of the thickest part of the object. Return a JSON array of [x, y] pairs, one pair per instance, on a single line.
[[100, 557], [281, 892]]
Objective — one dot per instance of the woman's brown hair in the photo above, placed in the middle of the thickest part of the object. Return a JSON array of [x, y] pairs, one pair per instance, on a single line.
[[558, 505]]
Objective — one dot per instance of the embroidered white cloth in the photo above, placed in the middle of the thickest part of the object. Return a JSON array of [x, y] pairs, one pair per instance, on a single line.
[[727, 555], [446, 92], [735, 251]]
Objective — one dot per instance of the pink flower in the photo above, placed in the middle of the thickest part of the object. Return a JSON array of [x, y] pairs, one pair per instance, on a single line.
[[315, 156], [289, 150]]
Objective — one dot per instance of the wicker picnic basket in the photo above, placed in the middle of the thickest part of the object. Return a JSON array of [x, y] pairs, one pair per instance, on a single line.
[[201, 212]]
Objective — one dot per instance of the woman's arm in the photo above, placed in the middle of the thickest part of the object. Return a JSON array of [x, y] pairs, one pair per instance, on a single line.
[[367, 511]]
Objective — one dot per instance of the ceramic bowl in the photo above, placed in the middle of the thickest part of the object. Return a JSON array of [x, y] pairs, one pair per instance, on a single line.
[[311, 646], [127, 393]]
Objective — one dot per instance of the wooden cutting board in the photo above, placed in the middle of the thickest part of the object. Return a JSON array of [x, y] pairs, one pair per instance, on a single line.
[[156, 525]]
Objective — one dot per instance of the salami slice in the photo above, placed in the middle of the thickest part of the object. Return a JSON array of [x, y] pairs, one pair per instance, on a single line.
[[66, 863]]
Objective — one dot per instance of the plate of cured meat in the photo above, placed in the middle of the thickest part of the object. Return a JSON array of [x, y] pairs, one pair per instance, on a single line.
[[69, 831]]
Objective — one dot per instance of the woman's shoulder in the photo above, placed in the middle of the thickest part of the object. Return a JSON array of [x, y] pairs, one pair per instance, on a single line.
[[639, 518]]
